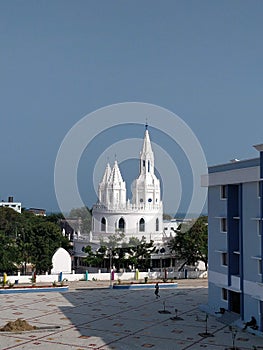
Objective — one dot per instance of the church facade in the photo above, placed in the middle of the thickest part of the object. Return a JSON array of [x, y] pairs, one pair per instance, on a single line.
[[142, 215]]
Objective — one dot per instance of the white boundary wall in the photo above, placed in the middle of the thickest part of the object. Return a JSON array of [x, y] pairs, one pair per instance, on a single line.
[[125, 276]]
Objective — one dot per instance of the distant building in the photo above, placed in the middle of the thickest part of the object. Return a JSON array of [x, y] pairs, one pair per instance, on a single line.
[[17, 206], [142, 216], [71, 227], [80, 264], [235, 237], [37, 211], [170, 227]]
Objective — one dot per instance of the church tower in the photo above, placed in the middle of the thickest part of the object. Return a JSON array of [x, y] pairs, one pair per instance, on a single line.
[[112, 188], [146, 188], [103, 187], [140, 217]]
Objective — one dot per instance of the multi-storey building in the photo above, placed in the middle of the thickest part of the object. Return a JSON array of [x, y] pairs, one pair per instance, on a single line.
[[235, 238], [37, 211], [17, 206]]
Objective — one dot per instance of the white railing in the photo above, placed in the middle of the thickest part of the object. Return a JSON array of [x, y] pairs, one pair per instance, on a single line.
[[129, 207]]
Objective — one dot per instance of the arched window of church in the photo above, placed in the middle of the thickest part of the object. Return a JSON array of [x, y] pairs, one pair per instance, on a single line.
[[142, 225], [148, 166], [121, 225], [157, 225], [103, 225]]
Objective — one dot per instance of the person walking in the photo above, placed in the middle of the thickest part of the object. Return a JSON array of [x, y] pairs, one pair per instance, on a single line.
[[156, 292]]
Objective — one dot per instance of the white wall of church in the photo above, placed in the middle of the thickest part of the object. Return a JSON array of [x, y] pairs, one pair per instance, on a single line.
[[143, 215], [147, 224]]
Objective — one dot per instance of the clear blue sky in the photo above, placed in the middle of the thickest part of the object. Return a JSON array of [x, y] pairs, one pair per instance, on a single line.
[[60, 60]]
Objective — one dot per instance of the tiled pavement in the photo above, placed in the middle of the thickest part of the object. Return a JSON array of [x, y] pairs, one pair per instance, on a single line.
[[101, 318]]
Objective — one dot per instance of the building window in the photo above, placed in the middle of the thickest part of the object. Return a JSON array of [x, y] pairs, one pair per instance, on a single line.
[[157, 225], [224, 293], [103, 225], [260, 266], [259, 188], [142, 225], [223, 192], [148, 166], [259, 227], [223, 224], [224, 259], [121, 225]]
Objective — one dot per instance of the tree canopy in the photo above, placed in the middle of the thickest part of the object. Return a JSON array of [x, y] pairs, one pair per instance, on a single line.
[[191, 242], [84, 214], [118, 252], [27, 238]]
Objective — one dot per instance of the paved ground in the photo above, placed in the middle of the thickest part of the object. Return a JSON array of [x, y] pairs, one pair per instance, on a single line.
[[93, 316]]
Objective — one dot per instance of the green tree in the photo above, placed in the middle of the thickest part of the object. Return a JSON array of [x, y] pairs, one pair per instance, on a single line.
[[96, 258], [85, 215], [10, 221], [191, 242], [136, 252], [112, 248], [120, 253], [8, 253], [45, 238], [113, 241], [142, 254], [55, 218], [27, 238]]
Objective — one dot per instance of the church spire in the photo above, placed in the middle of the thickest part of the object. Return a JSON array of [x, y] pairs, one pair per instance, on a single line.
[[146, 188], [115, 176], [106, 175], [112, 188], [146, 156], [103, 185]]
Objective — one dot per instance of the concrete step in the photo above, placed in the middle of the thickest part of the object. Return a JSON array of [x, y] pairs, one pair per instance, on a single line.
[[228, 317]]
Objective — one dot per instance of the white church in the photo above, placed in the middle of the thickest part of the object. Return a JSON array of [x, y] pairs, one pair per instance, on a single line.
[[140, 216]]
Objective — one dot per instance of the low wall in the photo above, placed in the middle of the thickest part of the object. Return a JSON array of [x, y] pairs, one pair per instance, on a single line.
[[145, 286], [125, 276]]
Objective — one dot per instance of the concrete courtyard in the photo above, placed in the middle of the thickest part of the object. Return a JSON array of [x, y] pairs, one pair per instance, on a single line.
[[93, 316]]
